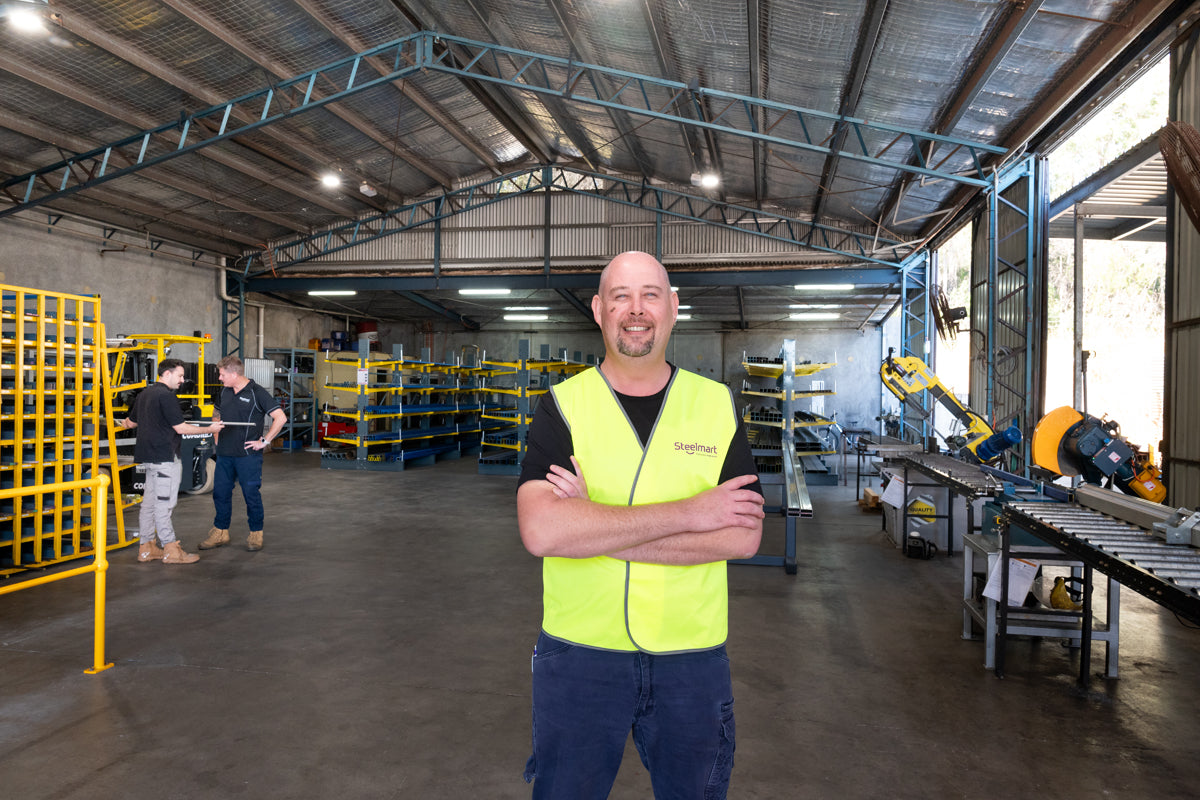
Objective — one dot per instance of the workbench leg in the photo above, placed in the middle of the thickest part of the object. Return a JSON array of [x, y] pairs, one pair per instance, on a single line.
[[1112, 647], [1002, 611], [1085, 634]]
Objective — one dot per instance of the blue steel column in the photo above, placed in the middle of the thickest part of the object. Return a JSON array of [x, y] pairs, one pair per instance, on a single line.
[[914, 333], [230, 315]]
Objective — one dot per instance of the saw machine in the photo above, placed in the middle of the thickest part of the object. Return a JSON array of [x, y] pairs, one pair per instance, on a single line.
[[1069, 442], [979, 443]]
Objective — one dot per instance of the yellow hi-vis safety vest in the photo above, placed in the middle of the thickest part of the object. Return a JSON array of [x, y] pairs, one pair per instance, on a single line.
[[610, 604]]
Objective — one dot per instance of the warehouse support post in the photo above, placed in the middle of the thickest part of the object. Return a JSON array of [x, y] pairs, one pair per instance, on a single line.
[[99, 488]]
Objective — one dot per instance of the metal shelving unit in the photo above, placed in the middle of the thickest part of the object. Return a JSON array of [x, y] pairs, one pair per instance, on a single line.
[[505, 422], [50, 407], [295, 372]]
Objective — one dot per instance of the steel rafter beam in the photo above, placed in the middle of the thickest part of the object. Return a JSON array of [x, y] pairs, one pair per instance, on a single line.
[[123, 49], [580, 306], [279, 69], [1019, 18], [755, 24], [439, 309], [428, 106], [735, 114], [836, 241], [868, 35]]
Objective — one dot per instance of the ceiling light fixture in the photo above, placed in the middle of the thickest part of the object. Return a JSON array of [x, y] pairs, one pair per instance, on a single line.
[[527, 308], [683, 308], [526, 317], [485, 292], [706, 180], [815, 305], [331, 180], [825, 287], [814, 315], [682, 316], [332, 292], [367, 189], [26, 16]]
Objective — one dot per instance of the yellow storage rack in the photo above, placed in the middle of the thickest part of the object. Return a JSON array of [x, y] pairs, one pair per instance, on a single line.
[[407, 412], [50, 408], [506, 421]]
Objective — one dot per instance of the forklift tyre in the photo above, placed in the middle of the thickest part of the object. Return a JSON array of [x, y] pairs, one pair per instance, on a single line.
[[210, 472]]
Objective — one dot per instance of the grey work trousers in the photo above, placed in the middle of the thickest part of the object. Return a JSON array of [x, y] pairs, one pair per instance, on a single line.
[[158, 501]]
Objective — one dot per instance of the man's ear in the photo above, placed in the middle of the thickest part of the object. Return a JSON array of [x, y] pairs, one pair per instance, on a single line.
[[596, 305]]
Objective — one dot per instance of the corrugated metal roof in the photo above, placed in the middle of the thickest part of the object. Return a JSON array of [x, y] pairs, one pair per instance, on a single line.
[[989, 72]]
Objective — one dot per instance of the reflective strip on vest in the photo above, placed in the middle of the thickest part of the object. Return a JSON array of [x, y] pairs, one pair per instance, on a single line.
[[606, 603]]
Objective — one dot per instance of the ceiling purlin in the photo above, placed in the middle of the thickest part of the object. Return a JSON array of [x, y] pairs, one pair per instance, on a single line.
[[271, 66], [166, 177], [131, 116], [984, 67], [619, 119], [492, 97], [580, 306], [127, 52], [406, 88], [1108, 46], [868, 35]]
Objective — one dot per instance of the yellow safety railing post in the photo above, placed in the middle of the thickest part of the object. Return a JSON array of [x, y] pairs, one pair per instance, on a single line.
[[99, 488]]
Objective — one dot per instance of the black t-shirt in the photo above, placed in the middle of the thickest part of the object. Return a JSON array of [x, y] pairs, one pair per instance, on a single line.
[[156, 412], [549, 440], [252, 404]]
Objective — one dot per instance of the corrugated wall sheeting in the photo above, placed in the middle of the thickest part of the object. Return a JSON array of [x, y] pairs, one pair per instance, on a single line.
[[1183, 317]]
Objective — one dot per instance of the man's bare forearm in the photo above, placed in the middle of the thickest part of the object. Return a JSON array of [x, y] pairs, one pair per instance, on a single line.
[[691, 547]]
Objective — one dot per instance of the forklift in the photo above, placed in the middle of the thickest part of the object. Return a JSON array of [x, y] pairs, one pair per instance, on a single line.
[[133, 365]]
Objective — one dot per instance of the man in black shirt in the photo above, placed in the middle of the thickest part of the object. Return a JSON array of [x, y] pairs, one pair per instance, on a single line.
[[160, 425], [240, 451]]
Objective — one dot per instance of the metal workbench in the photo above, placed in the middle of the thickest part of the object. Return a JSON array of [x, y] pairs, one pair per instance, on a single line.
[[968, 481]]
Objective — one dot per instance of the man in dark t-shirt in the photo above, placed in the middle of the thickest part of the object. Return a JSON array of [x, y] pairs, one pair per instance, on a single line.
[[160, 424], [247, 406]]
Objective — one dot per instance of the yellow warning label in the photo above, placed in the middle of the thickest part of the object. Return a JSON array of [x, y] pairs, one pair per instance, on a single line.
[[923, 509]]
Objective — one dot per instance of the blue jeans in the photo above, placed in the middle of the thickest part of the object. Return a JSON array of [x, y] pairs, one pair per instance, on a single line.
[[585, 703], [246, 471]]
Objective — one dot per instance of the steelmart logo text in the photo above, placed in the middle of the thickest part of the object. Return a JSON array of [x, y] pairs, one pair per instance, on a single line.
[[697, 449]]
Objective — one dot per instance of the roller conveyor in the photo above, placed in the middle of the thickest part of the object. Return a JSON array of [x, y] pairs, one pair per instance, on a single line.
[[958, 476], [1167, 574]]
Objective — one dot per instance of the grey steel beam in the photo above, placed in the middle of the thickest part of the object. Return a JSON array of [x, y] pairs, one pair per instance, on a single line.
[[436, 308], [1144, 151], [498, 103], [428, 106], [279, 69], [864, 48], [169, 74], [580, 306], [601, 84]]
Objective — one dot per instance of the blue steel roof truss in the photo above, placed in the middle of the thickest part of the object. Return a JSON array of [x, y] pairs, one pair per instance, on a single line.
[[825, 238], [677, 103]]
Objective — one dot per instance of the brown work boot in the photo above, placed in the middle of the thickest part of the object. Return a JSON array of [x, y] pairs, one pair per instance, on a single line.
[[149, 551], [173, 553], [254, 541], [216, 538]]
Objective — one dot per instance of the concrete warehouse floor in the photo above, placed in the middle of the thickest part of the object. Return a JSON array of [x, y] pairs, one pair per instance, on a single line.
[[379, 648]]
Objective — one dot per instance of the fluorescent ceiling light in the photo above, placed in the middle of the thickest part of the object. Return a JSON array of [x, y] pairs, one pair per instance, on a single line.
[[527, 308], [485, 292], [815, 315], [526, 317], [814, 305], [825, 287], [332, 292], [682, 308], [683, 316]]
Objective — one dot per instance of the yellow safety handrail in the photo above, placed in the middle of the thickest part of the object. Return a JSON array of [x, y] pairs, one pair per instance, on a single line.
[[99, 486]]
